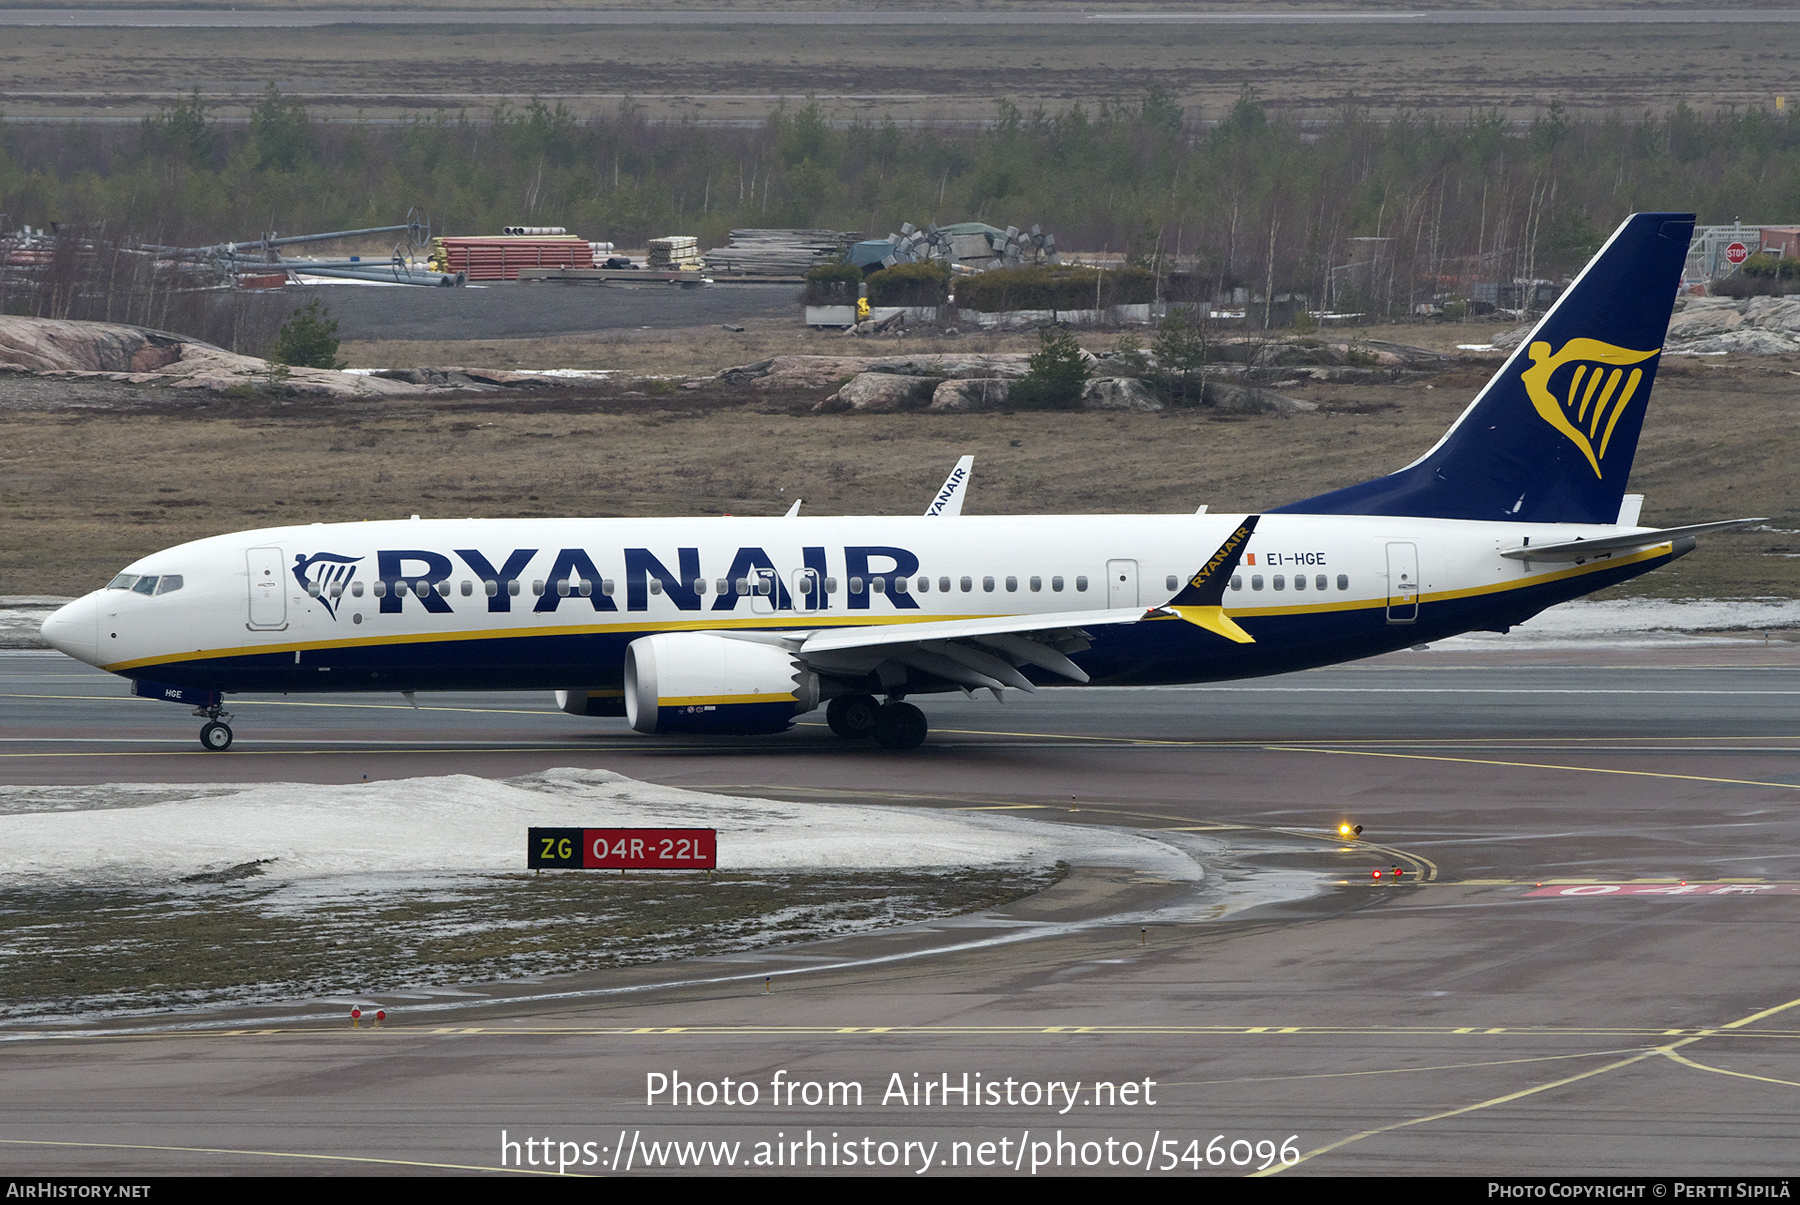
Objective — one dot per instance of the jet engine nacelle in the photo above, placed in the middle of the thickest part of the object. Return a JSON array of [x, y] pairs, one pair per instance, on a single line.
[[697, 682]]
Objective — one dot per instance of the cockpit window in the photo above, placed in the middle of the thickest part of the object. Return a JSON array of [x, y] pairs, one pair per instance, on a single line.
[[141, 583]]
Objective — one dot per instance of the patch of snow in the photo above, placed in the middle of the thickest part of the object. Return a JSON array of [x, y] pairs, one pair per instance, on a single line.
[[119, 835]]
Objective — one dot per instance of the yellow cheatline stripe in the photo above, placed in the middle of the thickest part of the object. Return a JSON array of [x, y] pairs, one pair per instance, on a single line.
[[1526, 765], [1506, 587], [722, 700], [797, 620], [1664, 1049], [223, 1150], [808, 620]]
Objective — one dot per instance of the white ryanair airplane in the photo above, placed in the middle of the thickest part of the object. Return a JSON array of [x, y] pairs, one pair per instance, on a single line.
[[738, 625]]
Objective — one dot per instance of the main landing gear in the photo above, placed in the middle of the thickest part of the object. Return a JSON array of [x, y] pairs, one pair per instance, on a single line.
[[894, 725], [215, 734]]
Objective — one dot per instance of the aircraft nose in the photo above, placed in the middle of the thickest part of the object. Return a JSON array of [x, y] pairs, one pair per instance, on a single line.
[[75, 629]]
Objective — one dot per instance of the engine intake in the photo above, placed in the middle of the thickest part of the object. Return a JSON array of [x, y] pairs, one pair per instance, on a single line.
[[697, 682]]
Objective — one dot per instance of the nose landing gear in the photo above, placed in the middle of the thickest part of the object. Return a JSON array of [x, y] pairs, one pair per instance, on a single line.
[[215, 734]]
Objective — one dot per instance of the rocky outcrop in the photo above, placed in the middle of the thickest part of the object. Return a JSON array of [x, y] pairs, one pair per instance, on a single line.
[[981, 393], [879, 393], [107, 351], [1118, 393], [50, 345], [1242, 399], [1758, 326]]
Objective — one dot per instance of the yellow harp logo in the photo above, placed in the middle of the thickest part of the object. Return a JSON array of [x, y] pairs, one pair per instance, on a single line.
[[1584, 404]]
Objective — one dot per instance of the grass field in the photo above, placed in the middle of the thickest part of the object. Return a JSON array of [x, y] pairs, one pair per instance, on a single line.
[[84, 489], [733, 74]]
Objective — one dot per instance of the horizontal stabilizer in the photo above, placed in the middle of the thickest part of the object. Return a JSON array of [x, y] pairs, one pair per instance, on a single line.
[[1581, 550]]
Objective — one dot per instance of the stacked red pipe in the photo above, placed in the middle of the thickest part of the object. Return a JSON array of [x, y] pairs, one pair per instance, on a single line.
[[500, 257]]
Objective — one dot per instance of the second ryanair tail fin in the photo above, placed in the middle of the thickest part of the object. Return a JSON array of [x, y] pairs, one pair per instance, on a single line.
[[1550, 438]]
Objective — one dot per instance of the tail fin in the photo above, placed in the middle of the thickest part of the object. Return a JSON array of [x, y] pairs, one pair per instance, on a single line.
[[1551, 437]]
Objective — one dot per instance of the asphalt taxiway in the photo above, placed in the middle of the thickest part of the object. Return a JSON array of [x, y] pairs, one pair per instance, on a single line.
[[1588, 966]]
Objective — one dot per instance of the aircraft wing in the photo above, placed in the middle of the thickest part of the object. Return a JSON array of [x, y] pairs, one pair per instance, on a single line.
[[976, 653], [986, 653], [1581, 550]]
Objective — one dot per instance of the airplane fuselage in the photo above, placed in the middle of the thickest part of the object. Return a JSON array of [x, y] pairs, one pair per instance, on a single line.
[[553, 603]]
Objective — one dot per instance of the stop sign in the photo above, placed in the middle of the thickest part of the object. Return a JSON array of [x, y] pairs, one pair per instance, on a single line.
[[1737, 253]]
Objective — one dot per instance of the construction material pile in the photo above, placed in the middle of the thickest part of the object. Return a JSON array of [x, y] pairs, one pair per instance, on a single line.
[[676, 253], [499, 257], [779, 252], [974, 246]]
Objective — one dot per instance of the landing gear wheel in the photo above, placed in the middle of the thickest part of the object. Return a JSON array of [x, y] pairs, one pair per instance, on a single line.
[[900, 726], [852, 716], [215, 736]]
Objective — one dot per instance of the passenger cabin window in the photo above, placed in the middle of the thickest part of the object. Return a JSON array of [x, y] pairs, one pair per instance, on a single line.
[[312, 588], [537, 587], [856, 585], [944, 585], [379, 589], [1299, 581], [512, 587], [1056, 582], [1343, 581], [699, 585], [1081, 583], [968, 584], [491, 588], [356, 589], [724, 587], [1037, 584], [1012, 584], [468, 588], [1280, 582], [655, 586], [878, 584], [587, 589], [1171, 582], [1256, 581], [987, 583], [1237, 581], [1319, 582], [924, 585]]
